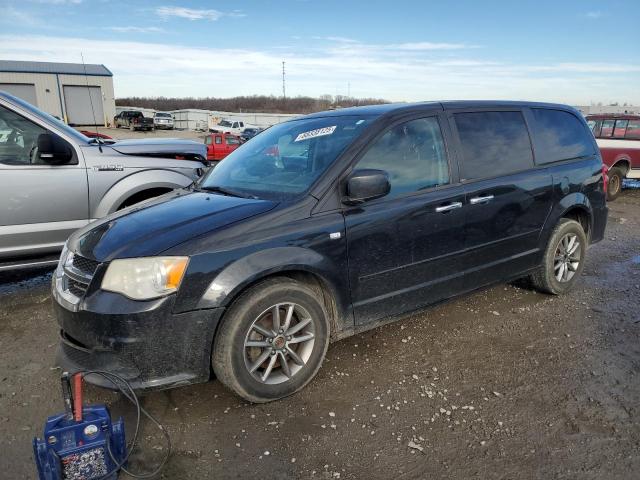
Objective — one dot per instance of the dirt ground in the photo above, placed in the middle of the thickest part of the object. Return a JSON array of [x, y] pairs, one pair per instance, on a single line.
[[506, 383]]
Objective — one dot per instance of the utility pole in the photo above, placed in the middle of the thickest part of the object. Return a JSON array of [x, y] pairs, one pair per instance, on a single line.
[[284, 92]]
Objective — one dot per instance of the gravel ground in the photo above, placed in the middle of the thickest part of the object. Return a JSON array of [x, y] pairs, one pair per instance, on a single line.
[[505, 383]]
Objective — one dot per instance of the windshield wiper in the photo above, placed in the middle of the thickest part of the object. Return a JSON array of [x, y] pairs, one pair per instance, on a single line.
[[226, 191]]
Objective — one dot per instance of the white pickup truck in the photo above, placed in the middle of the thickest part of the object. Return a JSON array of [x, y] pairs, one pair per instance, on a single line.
[[225, 125]]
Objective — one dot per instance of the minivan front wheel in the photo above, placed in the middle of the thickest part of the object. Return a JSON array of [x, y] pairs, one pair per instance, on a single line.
[[563, 259], [272, 340]]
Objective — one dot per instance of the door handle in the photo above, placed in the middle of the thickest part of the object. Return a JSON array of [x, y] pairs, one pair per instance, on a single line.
[[451, 206], [480, 200]]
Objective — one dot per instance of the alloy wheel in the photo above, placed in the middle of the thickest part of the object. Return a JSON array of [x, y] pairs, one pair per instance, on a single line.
[[567, 257], [279, 343]]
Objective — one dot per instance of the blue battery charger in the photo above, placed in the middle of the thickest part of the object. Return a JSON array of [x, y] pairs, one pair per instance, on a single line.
[[82, 443], [77, 450]]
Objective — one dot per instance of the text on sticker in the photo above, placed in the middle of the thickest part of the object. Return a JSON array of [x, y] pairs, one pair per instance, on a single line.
[[319, 132]]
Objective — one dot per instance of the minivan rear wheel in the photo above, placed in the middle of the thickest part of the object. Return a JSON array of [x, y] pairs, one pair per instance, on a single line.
[[272, 340], [563, 259]]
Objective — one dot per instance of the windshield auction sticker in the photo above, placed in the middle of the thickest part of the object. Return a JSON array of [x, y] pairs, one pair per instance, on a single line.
[[320, 132]]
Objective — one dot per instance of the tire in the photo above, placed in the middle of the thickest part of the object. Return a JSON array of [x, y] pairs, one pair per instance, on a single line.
[[232, 359], [552, 277], [616, 175]]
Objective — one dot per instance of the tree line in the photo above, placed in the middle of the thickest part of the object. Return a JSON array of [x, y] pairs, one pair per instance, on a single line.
[[254, 103]]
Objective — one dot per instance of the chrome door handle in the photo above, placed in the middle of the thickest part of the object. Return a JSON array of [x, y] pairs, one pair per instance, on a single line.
[[479, 200], [451, 206]]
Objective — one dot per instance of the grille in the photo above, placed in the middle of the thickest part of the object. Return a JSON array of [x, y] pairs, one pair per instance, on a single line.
[[77, 288], [86, 266], [78, 272]]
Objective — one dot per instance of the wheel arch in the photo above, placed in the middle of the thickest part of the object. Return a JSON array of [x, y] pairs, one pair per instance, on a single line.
[[300, 264], [136, 183], [575, 206], [581, 215], [622, 162]]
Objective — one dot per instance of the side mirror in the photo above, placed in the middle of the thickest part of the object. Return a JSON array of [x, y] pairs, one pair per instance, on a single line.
[[53, 150], [366, 184]]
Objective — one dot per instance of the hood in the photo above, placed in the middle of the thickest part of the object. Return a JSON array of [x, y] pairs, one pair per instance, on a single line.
[[152, 227], [159, 146]]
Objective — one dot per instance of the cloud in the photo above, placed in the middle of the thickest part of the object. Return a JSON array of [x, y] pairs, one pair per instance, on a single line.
[[195, 14], [58, 2], [11, 15], [134, 29], [156, 69], [594, 15], [333, 39], [429, 46]]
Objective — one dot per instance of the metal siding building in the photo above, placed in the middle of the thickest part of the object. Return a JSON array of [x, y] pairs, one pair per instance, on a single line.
[[79, 94]]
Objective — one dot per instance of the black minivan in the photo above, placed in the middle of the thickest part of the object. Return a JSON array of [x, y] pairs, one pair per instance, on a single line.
[[325, 226]]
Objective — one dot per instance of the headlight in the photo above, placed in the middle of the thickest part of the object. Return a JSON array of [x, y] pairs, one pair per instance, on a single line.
[[145, 278]]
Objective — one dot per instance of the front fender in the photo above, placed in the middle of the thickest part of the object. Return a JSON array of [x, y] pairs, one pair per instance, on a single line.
[[247, 270], [238, 275], [135, 183]]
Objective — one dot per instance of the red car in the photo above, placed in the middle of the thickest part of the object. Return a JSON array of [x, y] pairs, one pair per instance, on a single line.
[[219, 145], [618, 138]]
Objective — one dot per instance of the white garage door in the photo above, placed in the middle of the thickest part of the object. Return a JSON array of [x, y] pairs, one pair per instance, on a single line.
[[83, 105], [25, 91]]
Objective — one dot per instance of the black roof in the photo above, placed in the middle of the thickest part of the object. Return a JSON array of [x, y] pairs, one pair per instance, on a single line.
[[395, 108]]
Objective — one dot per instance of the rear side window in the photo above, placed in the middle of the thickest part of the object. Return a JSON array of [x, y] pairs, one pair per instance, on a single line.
[[560, 136], [595, 126], [633, 129], [607, 128], [493, 144], [620, 128], [218, 140]]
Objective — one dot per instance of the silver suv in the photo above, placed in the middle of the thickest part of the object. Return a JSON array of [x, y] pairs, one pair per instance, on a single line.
[[54, 180]]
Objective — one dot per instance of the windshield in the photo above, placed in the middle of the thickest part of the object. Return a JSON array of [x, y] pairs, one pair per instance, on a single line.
[[224, 123], [285, 160], [50, 119], [168, 115]]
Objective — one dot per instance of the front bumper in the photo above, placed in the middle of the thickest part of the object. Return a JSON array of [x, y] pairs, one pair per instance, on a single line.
[[144, 342]]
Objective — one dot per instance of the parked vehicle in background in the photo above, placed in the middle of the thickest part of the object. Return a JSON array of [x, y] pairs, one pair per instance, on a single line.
[[163, 120], [219, 145], [228, 126], [133, 120], [618, 138], [56, 180], [357, 216], [249, 133]]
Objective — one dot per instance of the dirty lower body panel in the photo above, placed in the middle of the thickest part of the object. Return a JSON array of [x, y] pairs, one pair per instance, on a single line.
[[153, 349]]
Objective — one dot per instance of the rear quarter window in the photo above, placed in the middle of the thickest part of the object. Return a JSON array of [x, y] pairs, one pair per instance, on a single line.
[[493, 144], [560, 136], [633, 129]]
